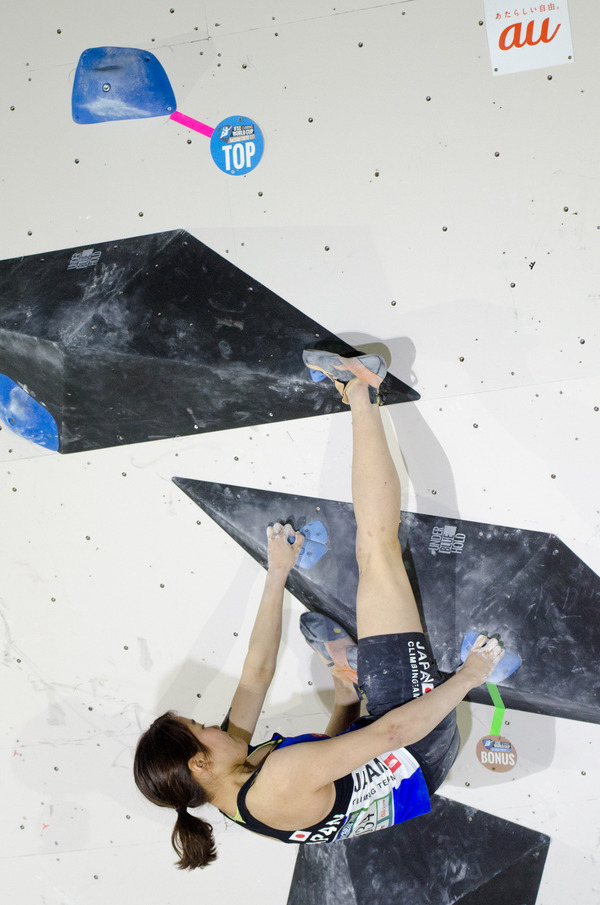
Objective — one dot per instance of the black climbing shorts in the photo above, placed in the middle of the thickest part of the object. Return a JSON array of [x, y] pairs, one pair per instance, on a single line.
[[394, 669]]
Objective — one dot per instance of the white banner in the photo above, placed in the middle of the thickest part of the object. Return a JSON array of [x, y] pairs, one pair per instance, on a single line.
[[527, 37]]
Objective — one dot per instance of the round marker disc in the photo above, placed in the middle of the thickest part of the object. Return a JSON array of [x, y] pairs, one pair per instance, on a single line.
[[237, 145], [496, 753]]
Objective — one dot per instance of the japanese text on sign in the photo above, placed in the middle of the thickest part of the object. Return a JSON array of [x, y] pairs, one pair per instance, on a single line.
[[527, 37]]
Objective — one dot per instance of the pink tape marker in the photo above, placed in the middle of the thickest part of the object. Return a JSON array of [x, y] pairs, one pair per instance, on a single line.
[[192, 123]]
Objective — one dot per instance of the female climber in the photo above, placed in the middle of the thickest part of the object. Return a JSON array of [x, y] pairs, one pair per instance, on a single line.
[[363, 774]]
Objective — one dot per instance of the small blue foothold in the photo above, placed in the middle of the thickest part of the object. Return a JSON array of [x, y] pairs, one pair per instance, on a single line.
[[316, 376]]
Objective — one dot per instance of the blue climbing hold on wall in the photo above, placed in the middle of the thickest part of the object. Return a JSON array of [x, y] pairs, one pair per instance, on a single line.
[[314, 546], [509, 663], [120, 83], [24, 416]]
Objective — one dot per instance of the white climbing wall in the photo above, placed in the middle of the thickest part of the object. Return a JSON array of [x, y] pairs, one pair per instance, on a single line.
[[406, 195]]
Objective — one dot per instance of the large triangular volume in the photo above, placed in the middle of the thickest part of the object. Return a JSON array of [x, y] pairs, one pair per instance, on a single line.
[[526, 585], [152, 337], [454, 856], [330, 585]]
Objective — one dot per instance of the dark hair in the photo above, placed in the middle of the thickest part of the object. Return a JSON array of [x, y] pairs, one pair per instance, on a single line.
[[162, 774]]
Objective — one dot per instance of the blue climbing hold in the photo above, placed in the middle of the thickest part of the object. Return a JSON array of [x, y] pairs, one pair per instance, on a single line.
[[26, 417], [314, 546], [509, 663], [315, 531], [316, 376], [120, 83]]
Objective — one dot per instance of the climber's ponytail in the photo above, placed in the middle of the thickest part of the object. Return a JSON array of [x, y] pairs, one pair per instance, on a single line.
[[193, 841]]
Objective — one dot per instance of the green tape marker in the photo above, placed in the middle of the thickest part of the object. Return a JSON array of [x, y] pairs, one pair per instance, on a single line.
[[499, 709]]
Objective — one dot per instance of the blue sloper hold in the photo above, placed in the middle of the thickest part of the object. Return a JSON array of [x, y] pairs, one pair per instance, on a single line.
[[315, 531], [120, 83], [313, 548], [24, 416], [509, 663]]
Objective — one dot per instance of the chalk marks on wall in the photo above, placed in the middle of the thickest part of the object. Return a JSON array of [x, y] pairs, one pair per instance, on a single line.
[[155, 336]]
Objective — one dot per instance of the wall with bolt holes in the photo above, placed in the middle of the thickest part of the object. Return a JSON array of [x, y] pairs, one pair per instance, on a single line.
[[406, 195]]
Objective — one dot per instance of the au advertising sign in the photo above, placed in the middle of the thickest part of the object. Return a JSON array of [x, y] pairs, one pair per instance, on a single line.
[[532, 36]]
